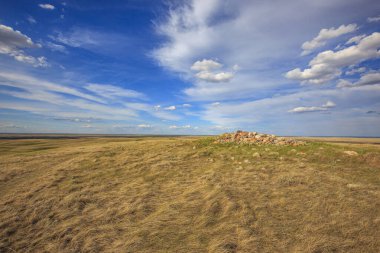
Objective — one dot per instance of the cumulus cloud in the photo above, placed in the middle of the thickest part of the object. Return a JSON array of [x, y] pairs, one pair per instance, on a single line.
[[373, 19], [205, 73], [325, 35], [12, 42], [170, 108], [47, 6], [369, 78], [195, 30], [206, 65], [329, 104], [355, 71], [186, 105], [327, 65], [215, 77], [355, 39], [342, 83]]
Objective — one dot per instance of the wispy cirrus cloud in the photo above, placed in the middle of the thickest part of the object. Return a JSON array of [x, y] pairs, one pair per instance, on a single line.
[[373, 19], [112, 92], [43, 97], [303, 109], [97, 41]]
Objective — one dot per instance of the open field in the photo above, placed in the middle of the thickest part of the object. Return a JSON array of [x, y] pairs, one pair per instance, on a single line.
[[187, 194]]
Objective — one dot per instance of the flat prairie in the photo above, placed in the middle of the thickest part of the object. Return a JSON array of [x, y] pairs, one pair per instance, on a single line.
[[188, 194]]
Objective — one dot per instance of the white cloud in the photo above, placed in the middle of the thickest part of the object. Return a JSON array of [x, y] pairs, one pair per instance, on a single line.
[[36, 62], [308, 109], [355, 71], [373, 19], [324, 107], [78, 38], [170, 108], [206, 65], [269, 114], [327, 65], [180, 127], [12, 42], [33, 84], [157, 107], [329, 104], [111, 91], [87, 126], [48, 98], [186, 105], [65, 101], [56, 47], [236, 67], [326, 34], [47, 6], [369, 78], [144, 126], [31, 20], [221, 128], [97, 41], [198, 30], [343, 83], [355, 39], [10, 125], [205, 73], [215, 77]]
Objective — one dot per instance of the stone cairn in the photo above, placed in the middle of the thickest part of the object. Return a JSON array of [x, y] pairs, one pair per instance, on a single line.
[[257, 138]]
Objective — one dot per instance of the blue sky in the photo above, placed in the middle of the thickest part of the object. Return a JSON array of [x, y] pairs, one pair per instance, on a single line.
[[190, 67]]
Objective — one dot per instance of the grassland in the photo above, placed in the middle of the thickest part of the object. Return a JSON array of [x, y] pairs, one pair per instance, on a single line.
[[187, 194]]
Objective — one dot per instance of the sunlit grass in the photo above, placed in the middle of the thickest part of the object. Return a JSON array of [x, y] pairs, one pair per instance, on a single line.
[[187, 195]]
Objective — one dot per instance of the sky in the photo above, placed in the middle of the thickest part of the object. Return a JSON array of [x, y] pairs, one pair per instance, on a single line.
[[190, 67]]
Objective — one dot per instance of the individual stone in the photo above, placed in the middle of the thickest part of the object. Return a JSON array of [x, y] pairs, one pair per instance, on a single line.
[[351, 153], [256, 155]]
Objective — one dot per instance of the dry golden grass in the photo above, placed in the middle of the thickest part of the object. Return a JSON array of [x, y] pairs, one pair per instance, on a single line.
[[187, 195]]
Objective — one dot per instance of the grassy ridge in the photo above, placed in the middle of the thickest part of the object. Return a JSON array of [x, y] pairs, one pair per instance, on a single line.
[[187, 195]]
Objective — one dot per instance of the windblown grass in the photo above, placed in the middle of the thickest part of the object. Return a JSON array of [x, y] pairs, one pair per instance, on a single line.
[[187, 195]]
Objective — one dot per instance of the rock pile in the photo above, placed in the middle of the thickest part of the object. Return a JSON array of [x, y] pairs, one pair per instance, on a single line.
[[257, 138]]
